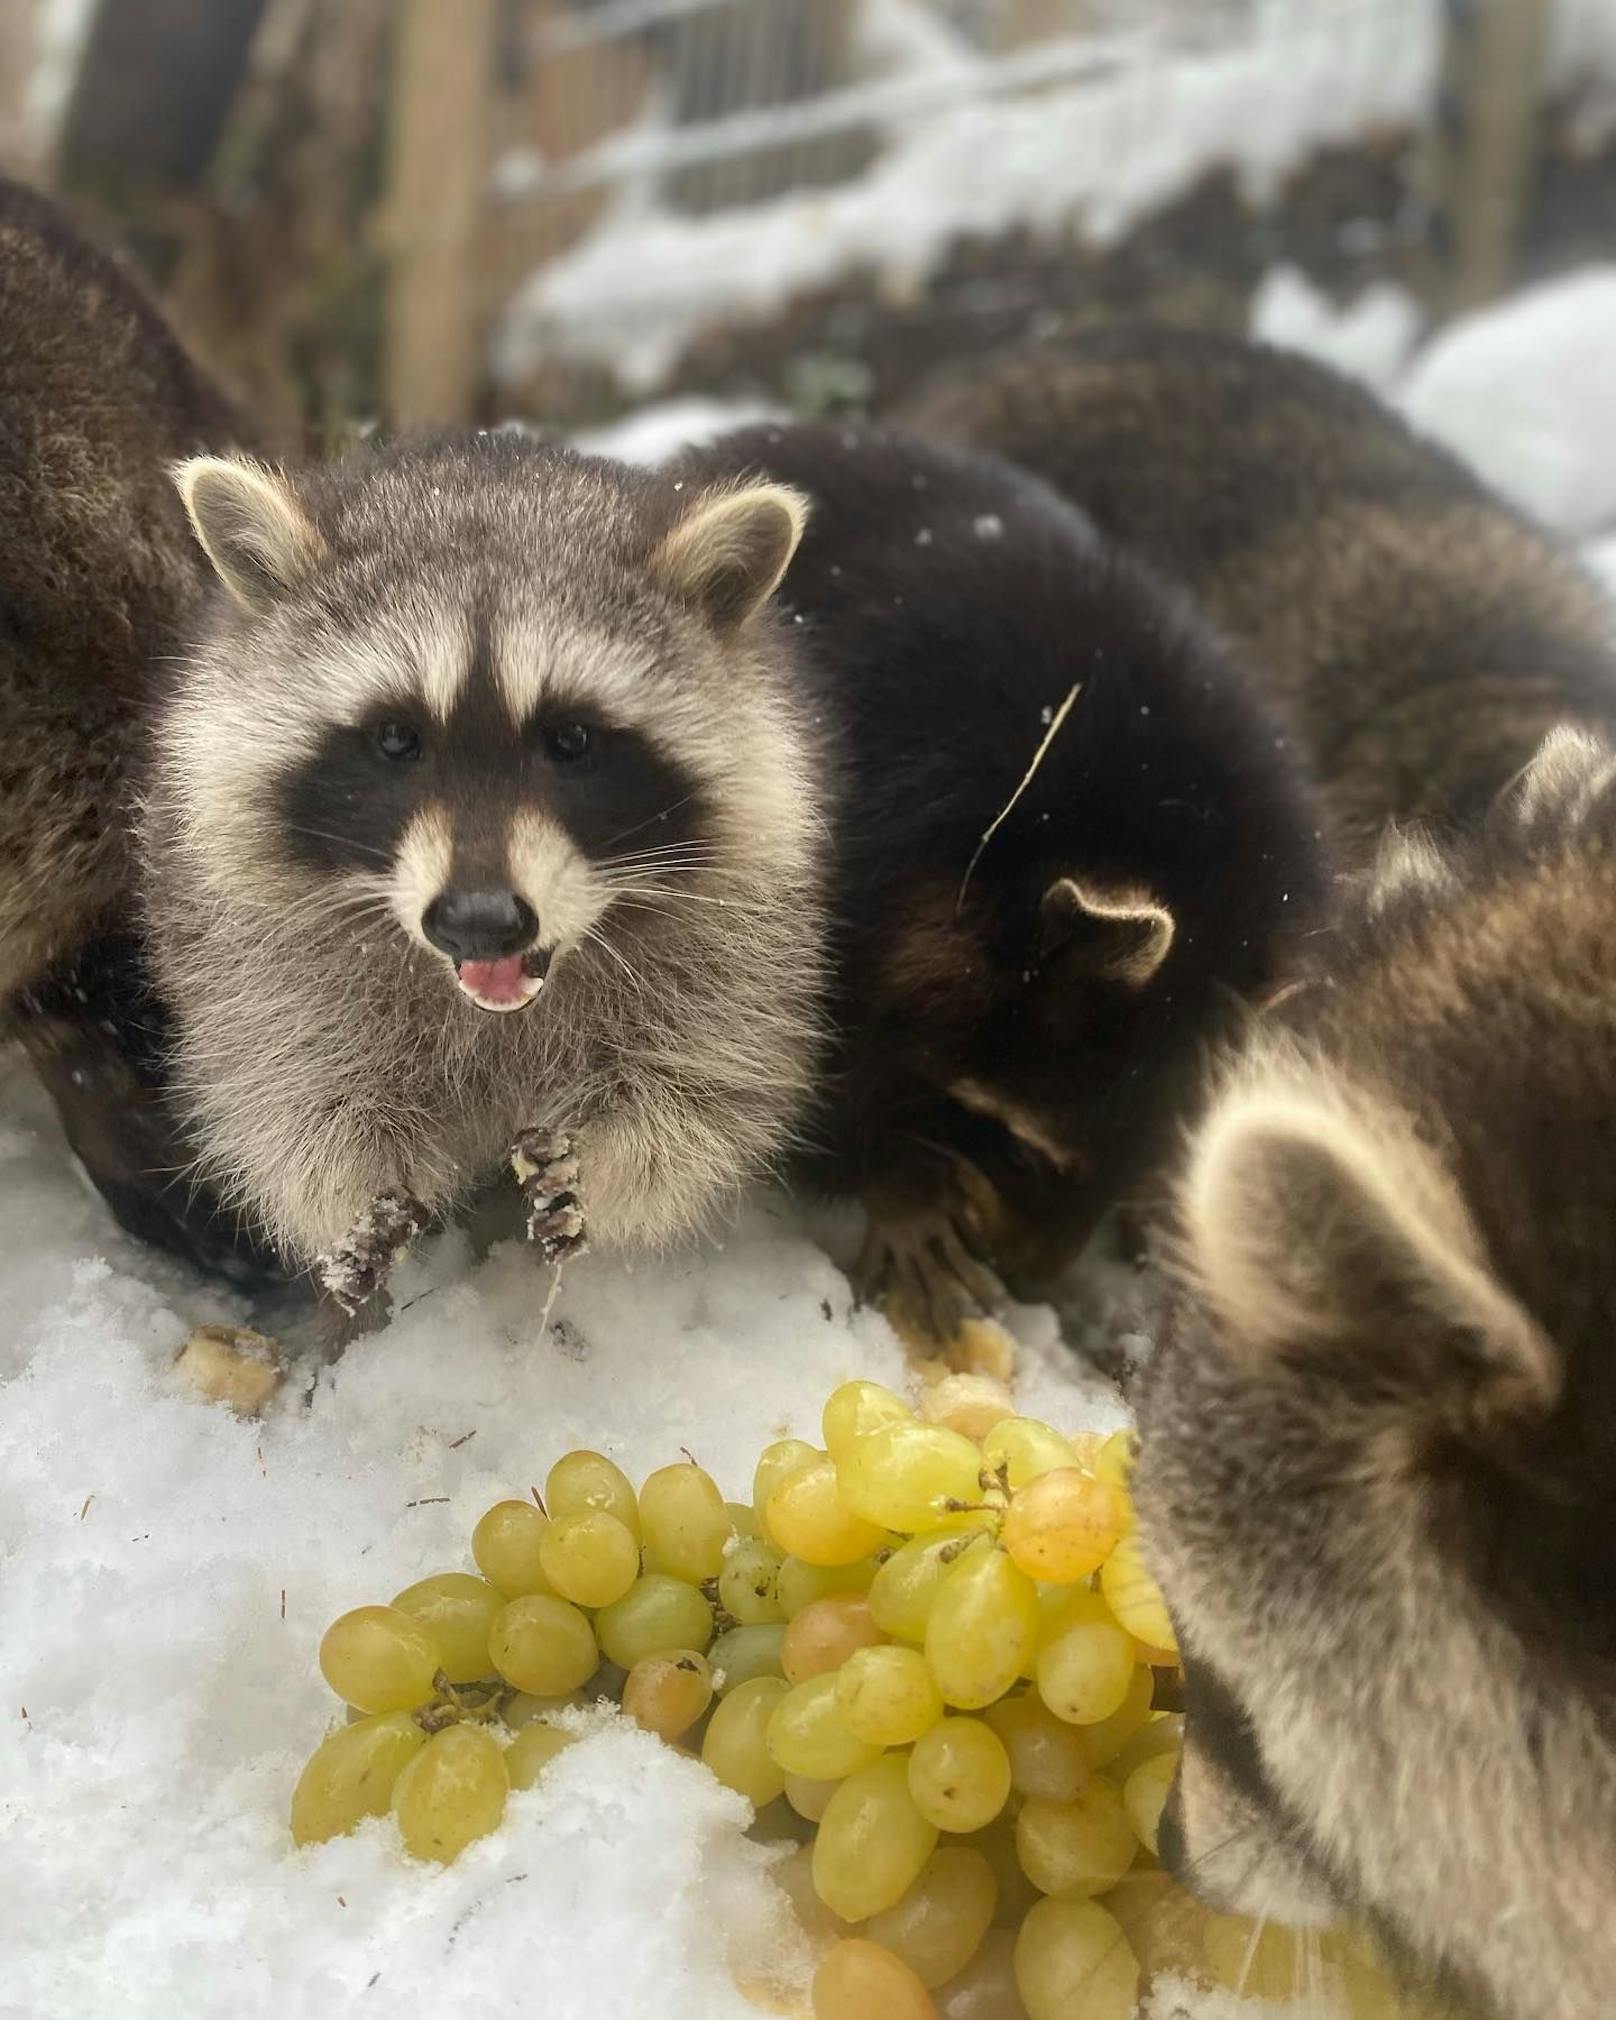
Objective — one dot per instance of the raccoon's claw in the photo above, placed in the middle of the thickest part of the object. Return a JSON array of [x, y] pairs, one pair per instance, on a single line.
[[923, 1270], [352, 1273], [547, 1171]]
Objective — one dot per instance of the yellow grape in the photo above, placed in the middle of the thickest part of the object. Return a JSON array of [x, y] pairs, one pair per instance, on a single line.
[[810, 1799], [824, 1635], [543, 1645], [1023, 1448], [778, 1462], [806, 1517], [742, 1653], [451, 1793], [350, 1776], [1134, 1597], [1079, 1848], [380, 1659], [1145, 1793], [1047, 1756], [457, 1610], [982, 1629], [794, 1876], [579, 1481], [522, 1708], [1074, 1963], [1266, 1965], [858, 1980], [903, 1589], [1062, 1526], [799, 1584], [1103, 1741], [986, 1988], [668, 1693], [1159, 1735], [745, 1520], [887, 1695], [532, 1751], [735, 1745], [684, 1522], [969, 1404], [747, 1584], [1162, 1923], [505, 1544], [906, 1476], [590, 1558], [656, 1613], [1085, 1661], [857, 1407], [1113, 1463], [940, 1922], [997, 1844], [872, 1841], [808, 1735], [959, 1775]]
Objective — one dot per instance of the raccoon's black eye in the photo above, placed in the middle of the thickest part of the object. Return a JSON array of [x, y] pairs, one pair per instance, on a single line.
[[396, 740], [566, 742]]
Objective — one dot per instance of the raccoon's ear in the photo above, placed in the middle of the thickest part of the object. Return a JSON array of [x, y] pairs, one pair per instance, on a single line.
[[251, 526], [1121, 932], [1312, 1220], [727, 554], [1562, 784]]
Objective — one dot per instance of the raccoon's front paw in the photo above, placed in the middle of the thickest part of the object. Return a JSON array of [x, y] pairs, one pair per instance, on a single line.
[[353, 1273], [547, 1171], [926, 1270]]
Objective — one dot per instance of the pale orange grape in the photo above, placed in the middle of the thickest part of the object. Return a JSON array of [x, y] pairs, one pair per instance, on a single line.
[[799, 1584], [810, 1799], [857, 1980], [1047, 1757], [986, 1988], [959, 1775], [1079, 1848], [806, 1517], [589, 1557], [744, 1652], [872, 1841], [747, 1584], [1134, 1597], [451, 1793], [1022, 1448], [380, 1659], [505, 1544], [857, 1407], [735, 1744], [887, 1695], [824, 1635], [1161, 1734], [1085, 1661], [1103, 1741], [658, 1612], [907, 1476], [457, 1610], [1062, 1526], [969, 1404], [543, 1645], [982, 1629], [684, 1523], [532, 1751], [809, 1736], [350, 1776], [937, 1926], [903, 1589], [579, 1481], [668, 1693], [1074, 1963], [778, 1462], [522, 1708], [1145, 1793]]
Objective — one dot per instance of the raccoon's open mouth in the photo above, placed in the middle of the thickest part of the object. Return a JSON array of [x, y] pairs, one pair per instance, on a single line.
[[511, 983]]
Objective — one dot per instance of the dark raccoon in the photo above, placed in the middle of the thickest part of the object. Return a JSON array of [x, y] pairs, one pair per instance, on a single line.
[[1416, 635]]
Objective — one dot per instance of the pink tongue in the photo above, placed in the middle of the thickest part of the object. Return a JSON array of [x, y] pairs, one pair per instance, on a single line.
[[495, 981]]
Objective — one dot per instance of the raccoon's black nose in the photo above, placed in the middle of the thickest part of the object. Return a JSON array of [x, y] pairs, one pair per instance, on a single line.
[[479, 925]]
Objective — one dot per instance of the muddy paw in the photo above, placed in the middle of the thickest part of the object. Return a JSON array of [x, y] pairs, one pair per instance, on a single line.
[[547, 1171], [925, 1272], [352, 1273]]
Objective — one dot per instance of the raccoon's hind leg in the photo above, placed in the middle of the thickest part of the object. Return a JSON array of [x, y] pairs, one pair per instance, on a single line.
[[925, 1265], [546, 1169], [353, 1275]]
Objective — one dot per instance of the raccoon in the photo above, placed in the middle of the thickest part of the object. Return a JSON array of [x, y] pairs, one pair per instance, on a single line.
[[1377, 1474], [1417, 636]]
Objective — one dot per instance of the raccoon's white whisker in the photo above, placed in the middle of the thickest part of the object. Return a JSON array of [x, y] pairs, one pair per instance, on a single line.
[[1258, 1928], [599, 939], [624, 833], [345, 841]]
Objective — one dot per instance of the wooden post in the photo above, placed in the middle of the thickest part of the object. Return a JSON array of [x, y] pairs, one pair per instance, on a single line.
[[442, 92]]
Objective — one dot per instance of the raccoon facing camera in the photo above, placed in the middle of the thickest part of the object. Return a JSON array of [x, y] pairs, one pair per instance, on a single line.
[[1377, 1472]]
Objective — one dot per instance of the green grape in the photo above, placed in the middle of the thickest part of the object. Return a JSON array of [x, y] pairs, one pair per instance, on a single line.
[[1103, 1741], [1085, 1661], [543, 1645], [857, 1407], [997, 1844], [959, 1775], [810, 1799], [451, 1793], [522, 1708], [532, 1751], [940, 1922], [746, 1585], [806, 1517], [505, 1544], [655, 1614], [1080, 1848], [742, 1653], [1074, 1963], [859, 1980], [1134, 1597], [982, 1629], [1047, 1757], [799, 1584], [579, 1481], [902, 1591], [667, 1693], [808, 1735], [887, 1695], [778, 1462], [380, 1659], [350, 1776], [684, 1523], [1161, 1734], [745, 1521], [735, 1745], [986, 1988], [589, 1557], [1024, 1448], [1145, 1795], [907, 1476], [457, 1610], [872, 1842], [822, 1636]]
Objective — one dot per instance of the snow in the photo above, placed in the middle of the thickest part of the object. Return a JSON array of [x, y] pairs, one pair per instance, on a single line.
[[1371, 338], [654, 433]]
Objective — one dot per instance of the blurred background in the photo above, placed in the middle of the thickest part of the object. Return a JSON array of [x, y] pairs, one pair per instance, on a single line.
[[413, 211]]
